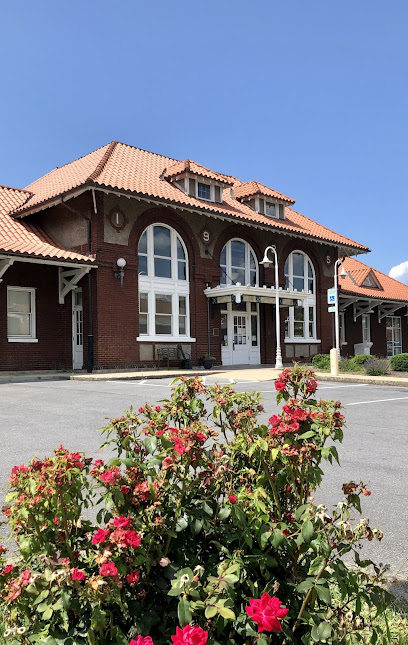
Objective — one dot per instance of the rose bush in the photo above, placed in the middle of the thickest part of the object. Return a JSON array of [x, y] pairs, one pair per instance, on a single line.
[[206, 531]]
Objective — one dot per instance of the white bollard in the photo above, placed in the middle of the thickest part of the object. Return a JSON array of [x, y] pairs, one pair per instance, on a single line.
[[334, 362]]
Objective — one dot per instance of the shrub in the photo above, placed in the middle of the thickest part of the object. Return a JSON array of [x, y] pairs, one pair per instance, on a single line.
[[207, 529], [377, 367], [361, 359], [321, 361], [347, 365], [399, 362]]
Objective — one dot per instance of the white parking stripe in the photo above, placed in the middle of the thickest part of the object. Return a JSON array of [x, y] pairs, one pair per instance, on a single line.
[[397, 398], [335, 387]]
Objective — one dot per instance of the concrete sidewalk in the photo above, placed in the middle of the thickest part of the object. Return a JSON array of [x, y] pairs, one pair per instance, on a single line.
[[256, 373]]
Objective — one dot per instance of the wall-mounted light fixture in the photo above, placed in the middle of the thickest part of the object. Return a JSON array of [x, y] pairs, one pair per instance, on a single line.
[[121, 262]]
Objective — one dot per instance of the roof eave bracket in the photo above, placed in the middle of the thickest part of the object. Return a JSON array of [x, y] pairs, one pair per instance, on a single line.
[[68, 280]]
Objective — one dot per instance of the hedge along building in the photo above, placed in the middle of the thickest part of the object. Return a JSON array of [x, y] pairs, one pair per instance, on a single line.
[[192, 240]]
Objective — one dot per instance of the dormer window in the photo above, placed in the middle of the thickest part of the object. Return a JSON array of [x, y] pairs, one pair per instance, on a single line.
[[197, 181], [203, 191], [371, 282], [270, 209]]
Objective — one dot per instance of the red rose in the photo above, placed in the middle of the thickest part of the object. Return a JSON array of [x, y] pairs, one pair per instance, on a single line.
[[133, 539], [157, 408], [100, 536], [279, 386], [108, 569], [201, 436], [266, 612], [133, 577], [311, 385], [76, 574], [7, 569], [190, 636], [232, 498], [140, 640], [121, 522]]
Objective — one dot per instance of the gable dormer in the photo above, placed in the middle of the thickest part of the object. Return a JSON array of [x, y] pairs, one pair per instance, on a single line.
[[197, 181], [371, 281], [262, 199]]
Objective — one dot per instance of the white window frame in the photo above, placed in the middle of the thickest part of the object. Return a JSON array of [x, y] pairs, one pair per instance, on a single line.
[[366, 318], [165, 286], [32, 337], [308, 303], [212, 186], [393, 326], [228, 268]]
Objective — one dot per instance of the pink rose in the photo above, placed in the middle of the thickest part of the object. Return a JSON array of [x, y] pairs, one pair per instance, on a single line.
[[140, 640], [279, 386], [266, 612], [108, 569], [232, 499], [190, 636], [121, 522], [76, 574], [133, 577], [100, 536]]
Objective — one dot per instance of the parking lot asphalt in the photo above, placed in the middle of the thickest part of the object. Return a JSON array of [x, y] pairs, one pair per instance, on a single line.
[[39, 416]]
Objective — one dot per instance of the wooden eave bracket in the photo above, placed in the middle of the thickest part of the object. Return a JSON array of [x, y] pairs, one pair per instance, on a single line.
[[68, 279], [385, 310], [365, 307], [346, 302], [4, 265]]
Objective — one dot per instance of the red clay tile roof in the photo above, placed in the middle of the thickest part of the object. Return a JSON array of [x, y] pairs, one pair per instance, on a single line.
[[254, 187], [122, 167], [390, 289], [196, 169], [23, 238]]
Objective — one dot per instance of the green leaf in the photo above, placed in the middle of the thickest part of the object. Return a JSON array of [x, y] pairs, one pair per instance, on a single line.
[[181, 524], [183, 611], [47, 613], [316, 565], [150, 444], [263, 444], [307, 435], [224, 512], [324, 594], [307, 531], [274, 453], [196, 526], [175, 591], [98, 620], [324, 631], [210, 611], [207, 509], [305, 585], [226, 613]]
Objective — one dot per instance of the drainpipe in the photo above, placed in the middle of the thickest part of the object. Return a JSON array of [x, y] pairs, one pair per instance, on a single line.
[[90, 360]]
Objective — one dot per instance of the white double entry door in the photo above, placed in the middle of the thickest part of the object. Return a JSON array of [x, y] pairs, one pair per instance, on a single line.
[[240, 334]]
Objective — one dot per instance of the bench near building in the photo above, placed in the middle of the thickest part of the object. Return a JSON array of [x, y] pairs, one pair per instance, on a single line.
[[125, 258]]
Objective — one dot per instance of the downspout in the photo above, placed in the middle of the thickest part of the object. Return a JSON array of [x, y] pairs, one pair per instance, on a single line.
[[90, 358]]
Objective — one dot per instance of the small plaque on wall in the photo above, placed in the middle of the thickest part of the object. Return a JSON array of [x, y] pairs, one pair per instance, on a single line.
[[206, 236]]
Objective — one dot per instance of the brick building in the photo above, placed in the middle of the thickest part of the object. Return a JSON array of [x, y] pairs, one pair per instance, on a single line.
[[117, 255]]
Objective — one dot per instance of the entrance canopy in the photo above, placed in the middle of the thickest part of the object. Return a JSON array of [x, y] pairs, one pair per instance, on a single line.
[[263, 295]]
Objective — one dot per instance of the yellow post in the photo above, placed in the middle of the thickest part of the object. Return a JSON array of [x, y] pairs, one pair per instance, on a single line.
[[334, 362]]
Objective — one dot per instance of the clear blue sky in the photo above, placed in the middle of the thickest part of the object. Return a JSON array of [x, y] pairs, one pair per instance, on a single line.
[[307, 97]]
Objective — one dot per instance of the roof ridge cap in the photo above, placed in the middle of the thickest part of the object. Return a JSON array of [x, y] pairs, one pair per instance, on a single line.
[[156, 154], [102, 163], [20, 190]]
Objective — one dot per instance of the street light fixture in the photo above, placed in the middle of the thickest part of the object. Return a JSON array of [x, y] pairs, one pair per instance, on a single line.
[[266, 263]]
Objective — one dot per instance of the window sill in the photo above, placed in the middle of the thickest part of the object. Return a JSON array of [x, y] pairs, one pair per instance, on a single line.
[[166, 339], [22, 340], [302, 340]]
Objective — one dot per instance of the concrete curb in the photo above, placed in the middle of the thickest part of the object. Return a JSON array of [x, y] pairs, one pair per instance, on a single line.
[[366, 380]]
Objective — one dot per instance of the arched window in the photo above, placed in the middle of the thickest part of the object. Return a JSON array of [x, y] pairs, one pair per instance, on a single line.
[[238, 264], [300, 276], [163, 285]]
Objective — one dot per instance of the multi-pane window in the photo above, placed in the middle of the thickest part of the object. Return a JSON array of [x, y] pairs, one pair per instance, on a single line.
[[393, 335], [270, 209], [21, 314], [163, 284], [366, 330], [238, 264], [203, 191], [300, 276]]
